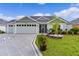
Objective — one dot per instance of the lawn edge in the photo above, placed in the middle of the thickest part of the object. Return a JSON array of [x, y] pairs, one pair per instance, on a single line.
[[36, 49]]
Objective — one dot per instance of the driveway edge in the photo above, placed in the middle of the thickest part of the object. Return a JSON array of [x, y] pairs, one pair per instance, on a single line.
[[37, 51]]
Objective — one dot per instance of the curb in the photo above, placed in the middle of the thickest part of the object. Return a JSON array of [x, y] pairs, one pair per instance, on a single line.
[[37, 51]]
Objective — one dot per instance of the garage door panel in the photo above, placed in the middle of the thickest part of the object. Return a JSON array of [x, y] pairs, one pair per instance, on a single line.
[[11, 30], [26, 29]]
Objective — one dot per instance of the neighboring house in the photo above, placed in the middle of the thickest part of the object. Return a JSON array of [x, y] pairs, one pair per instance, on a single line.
[[36, 24], [75, 23], [3, 25]]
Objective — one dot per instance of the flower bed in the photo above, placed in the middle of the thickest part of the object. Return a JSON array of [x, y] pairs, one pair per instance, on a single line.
[[56, 36]]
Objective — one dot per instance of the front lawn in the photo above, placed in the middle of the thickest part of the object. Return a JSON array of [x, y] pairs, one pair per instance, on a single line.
[[67, 46]]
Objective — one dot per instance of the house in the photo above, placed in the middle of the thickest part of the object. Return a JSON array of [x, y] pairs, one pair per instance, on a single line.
[[75, 23], [3, 25], [36, 24]]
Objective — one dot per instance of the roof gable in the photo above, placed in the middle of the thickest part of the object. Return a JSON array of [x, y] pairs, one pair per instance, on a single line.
[[38, 19], [43, 19], [35, 17], [56, 19], [26, 19], [3, 22]]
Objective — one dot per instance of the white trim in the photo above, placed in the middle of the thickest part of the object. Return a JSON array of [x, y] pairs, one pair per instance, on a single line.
[[6, 28], [51, 20], [15, 28], [45, 17], [55, 19], [32, 18], [41, 17], [36, 49]]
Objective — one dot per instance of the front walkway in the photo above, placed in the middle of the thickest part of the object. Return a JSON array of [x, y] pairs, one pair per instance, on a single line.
[[16, 44]]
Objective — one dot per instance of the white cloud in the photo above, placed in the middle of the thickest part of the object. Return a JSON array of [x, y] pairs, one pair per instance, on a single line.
[[41, 3], [68, 14], [74, 4], [19, 17], [42, 14], [8, 18]]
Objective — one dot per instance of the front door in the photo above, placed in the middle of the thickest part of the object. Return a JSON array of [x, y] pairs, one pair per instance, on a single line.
[[42, 28]]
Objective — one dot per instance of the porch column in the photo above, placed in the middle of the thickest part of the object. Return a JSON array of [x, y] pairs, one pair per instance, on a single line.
[[15, 28], [7, 28]]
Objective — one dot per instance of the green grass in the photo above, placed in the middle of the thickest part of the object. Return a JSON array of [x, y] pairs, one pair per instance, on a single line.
[[67, 46]]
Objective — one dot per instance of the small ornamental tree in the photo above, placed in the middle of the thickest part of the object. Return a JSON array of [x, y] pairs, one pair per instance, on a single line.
[[42, 43], [59, 30], [56, 28]]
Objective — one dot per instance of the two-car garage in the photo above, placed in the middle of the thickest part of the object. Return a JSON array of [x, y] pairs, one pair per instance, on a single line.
[[23, 28], [23, 25]]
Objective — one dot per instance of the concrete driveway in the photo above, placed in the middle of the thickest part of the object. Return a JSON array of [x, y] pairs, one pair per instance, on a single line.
[[16, 44]]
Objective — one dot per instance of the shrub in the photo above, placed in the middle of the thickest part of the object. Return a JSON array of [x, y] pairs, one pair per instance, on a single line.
[[42, 43], [51, 31], [64, 32], [1, 32], [74, 30], [70, 32], [59, 30]]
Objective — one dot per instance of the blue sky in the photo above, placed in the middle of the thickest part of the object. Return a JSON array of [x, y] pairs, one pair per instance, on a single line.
[[13, 10], [29, 9]]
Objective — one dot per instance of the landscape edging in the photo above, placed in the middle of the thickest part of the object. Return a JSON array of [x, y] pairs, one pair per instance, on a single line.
[[37, 51]]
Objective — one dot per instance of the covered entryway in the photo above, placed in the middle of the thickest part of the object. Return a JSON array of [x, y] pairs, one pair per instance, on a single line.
[[42, 28]]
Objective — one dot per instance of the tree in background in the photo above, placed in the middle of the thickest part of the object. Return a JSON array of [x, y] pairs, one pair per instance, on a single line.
[[74, 30]]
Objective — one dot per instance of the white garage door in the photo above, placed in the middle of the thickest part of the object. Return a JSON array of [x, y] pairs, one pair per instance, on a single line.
[[26, 28], [10, 29]]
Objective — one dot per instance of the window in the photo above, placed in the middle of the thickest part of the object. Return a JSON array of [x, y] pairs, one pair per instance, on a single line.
[[10, 25], [28, 24], [18, 25], [24, 24], [33, 24]]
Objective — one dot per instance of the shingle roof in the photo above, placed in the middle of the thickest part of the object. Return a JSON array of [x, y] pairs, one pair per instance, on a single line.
[[2, 22], [44, 19], [65, 20], [12, 21], [35, 18], [49, 17], [76, 21], [25, 19]]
